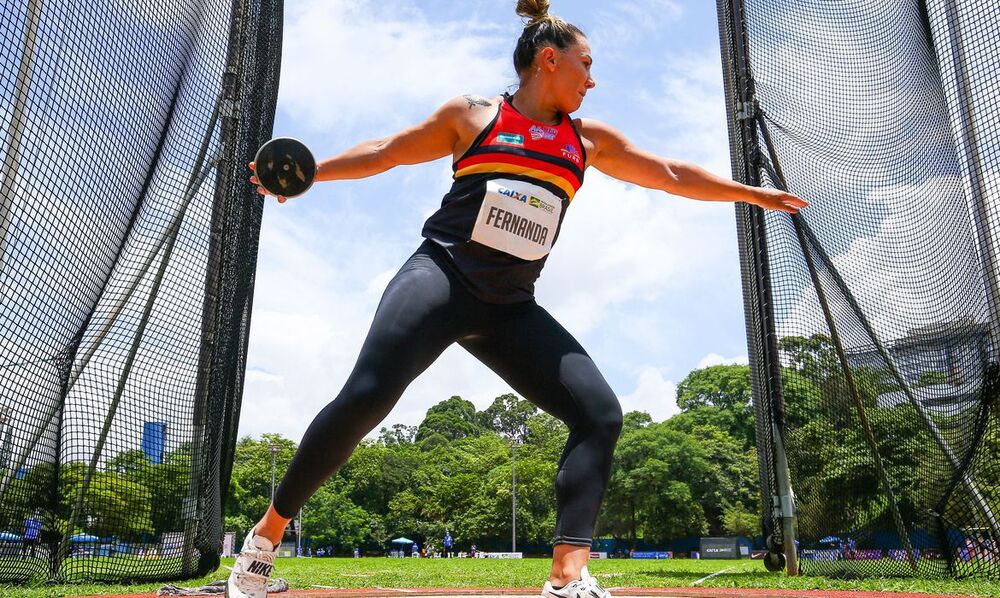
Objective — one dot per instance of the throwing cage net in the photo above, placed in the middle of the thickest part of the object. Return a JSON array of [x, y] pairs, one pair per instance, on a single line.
[[874, 314], [128, 242]]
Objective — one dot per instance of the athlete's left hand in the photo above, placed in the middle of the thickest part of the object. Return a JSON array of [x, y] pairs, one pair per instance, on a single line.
[[776, 199]]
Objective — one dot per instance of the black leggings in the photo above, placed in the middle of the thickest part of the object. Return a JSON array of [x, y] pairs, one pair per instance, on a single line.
[[425, 309]]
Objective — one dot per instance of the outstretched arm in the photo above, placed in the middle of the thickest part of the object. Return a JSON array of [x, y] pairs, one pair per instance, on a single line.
[[614, 155], [432, 139]]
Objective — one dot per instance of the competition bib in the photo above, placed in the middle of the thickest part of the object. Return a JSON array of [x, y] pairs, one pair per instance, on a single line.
[[518, 218]]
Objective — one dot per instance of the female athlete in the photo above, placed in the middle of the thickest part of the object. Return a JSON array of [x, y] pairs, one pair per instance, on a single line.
[[518, 161]]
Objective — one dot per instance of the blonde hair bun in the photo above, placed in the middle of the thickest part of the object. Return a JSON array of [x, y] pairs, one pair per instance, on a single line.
[[535, 10]]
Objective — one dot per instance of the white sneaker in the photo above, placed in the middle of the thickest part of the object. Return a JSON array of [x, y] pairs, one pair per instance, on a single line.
[[585, 587], [252, 569]]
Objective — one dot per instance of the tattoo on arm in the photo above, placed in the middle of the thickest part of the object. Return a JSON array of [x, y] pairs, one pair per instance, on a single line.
[[476, 101]]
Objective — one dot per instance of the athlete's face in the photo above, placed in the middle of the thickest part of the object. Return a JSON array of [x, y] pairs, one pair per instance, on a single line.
[[572, 77]]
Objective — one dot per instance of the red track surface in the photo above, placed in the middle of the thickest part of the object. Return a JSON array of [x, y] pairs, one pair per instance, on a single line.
[[623, 592]]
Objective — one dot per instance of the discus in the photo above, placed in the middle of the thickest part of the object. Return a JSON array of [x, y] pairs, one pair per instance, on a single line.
[[285, 167]]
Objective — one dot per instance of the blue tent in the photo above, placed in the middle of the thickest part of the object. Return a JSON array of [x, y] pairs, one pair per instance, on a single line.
[[83, 538], [9, 537], [402, 540]]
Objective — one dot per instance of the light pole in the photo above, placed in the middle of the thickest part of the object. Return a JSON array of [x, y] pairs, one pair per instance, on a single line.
[[513, 497], [298, 535], [274, 448]]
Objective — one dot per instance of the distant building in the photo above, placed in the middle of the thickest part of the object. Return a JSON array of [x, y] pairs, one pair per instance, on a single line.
[[942, 364], [154, 439]]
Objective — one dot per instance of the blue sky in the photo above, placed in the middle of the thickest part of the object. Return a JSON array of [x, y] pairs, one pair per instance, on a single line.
[[649, 283]]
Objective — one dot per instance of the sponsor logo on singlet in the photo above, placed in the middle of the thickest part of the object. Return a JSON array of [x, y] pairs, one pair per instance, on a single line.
[[570, 151], [531, 200], [543, 132], [510, 138], [518, 218]]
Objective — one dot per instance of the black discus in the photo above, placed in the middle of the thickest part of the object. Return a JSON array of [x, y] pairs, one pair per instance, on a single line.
[[285, 167]]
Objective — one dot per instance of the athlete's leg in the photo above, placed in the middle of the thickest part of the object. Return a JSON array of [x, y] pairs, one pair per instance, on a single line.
[[545, 364], [415, 321]]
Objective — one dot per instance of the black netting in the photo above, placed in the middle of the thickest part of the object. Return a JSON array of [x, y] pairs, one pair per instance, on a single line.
[[874, 315], [128, 243]]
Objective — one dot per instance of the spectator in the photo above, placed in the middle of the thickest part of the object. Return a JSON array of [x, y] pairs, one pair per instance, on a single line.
[[448, 542], [32, 534]]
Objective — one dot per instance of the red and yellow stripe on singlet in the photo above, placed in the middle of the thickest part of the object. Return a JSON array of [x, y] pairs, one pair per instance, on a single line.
[[517, 145]]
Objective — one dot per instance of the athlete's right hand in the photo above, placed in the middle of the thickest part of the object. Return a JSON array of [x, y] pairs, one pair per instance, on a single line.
[[261, 190]]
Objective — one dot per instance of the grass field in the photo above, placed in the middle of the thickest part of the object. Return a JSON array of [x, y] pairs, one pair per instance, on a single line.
[[403, 573]]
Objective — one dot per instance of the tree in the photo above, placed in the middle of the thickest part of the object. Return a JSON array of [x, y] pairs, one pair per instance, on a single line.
[[330, 518], [399, 434], [654, 477], [813, 357], [453, 419], [375, 473], [112, 505], [725, 394], [167, 483], [723, 386], [633, 420], [738, 521], [508, 416], [250, 486]]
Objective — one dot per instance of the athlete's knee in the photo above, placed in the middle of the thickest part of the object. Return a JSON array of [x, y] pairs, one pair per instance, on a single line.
[[609, 423], [365, 400], [599, 411], [602, 416]]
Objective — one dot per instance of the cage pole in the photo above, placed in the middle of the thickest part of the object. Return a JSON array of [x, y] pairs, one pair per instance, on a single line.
[[229, 114], [12, 159], [759, 287]]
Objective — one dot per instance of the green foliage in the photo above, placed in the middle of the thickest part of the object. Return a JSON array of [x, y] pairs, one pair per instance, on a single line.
[[398, 434], [113, 505], [634, 420], [720, 395], [330, 518], [508, 416], [931, 378], [167, 484], [26, 495], [738, 521], [453, 419], [813, 357], [723, 386], [250, 485]]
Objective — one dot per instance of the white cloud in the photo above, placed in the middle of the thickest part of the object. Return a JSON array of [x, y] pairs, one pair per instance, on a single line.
[[919, 268], [255, 375], [621, 243], [653, 394], [346, 62], [690, 101], [716, 359]]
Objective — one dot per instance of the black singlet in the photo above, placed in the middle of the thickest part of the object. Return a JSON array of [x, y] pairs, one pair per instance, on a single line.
[[505, 208]]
